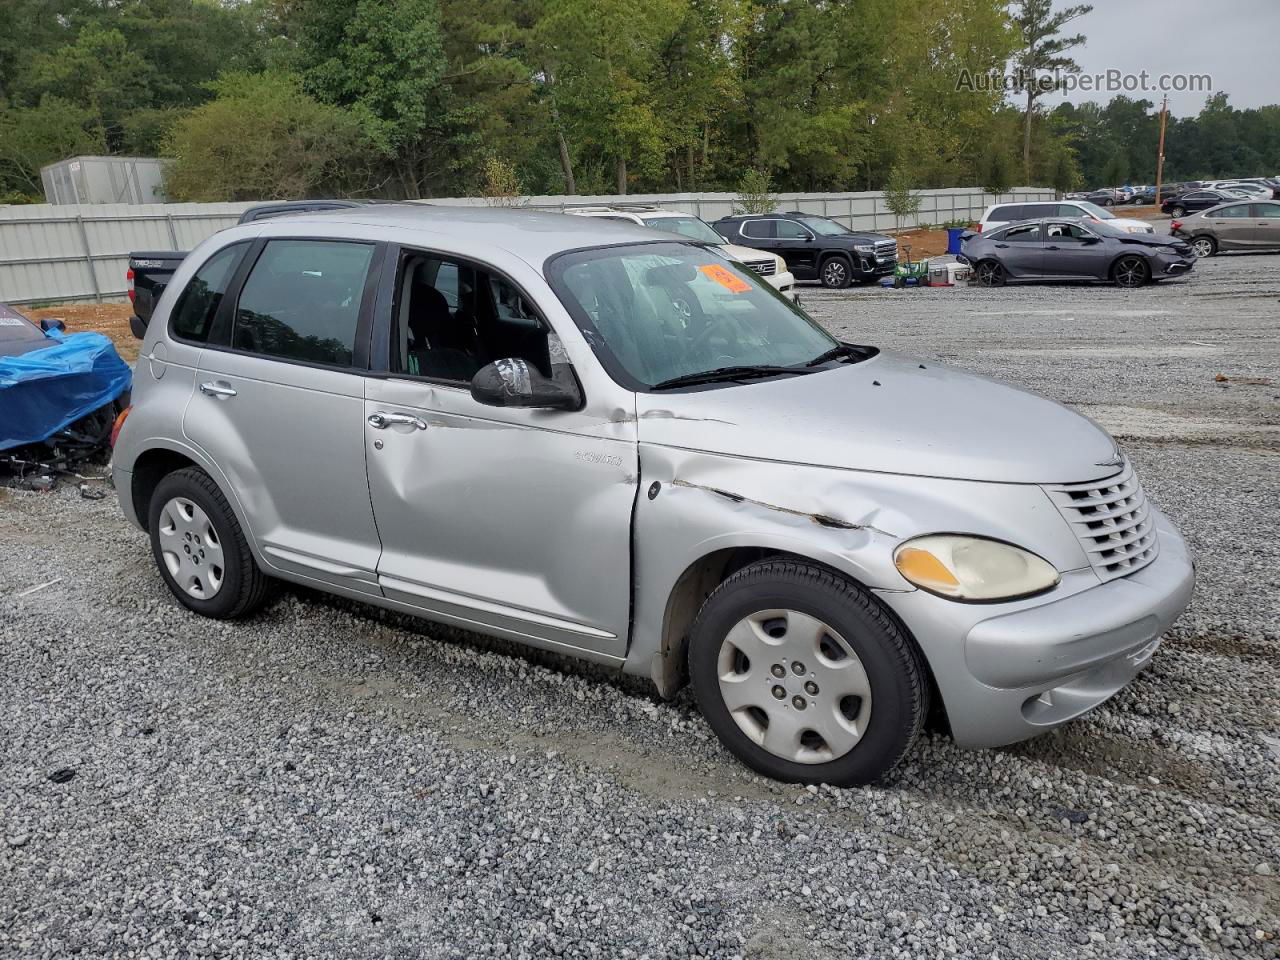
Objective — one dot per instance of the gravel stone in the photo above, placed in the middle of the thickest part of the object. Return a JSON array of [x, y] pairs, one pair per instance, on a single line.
[[331, 780]]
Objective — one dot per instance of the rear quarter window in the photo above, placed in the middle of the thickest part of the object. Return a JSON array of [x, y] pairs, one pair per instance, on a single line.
[[198, 303]]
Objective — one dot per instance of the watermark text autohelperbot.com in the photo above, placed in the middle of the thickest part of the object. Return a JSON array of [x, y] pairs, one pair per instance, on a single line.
[[1108, 81]]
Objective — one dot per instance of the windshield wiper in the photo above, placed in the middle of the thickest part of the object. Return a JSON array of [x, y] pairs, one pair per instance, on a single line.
[[739, 372], [839, 350]]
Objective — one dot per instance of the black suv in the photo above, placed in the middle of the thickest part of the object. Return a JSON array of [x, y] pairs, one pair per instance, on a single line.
[[815, 248]]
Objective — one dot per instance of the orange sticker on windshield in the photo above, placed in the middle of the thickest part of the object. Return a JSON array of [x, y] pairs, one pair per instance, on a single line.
[[725, 277]]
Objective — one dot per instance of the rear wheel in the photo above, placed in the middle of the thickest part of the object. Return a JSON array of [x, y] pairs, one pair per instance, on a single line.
[[1204, 246], [1130, 271], [990, 273], [804, 676], [201, 550], [1177, 211], [836, 273]]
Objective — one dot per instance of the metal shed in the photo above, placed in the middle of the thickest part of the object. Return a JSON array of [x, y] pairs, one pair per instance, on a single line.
[[81, 180]]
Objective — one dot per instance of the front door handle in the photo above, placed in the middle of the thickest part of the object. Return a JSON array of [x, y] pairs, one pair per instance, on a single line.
[[1053, 248], [215, 388], [381, 420], [1002, 246]]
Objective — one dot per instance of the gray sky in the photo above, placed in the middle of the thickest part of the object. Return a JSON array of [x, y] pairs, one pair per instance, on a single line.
[[1234, 41]]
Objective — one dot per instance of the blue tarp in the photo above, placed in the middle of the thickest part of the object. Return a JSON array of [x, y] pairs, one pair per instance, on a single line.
[[46, 389]]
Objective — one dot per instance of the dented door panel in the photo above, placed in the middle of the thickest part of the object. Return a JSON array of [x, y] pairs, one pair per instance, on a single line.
[[509, 520]]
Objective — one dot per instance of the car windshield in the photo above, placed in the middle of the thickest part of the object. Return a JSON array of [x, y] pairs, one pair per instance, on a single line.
[[1097, 212], [824, 227], [661, 311], [690, 227]]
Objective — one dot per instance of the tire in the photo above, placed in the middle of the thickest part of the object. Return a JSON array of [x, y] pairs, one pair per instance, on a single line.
[[1204, 246], [836, 272], [819, 631], [1177, 212], [1130, 271], [192, 528], [990, 273]]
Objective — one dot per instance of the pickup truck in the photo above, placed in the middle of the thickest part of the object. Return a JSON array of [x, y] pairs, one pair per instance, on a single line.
[[150, 270]]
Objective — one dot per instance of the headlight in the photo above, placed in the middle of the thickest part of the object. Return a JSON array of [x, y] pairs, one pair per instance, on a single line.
[[864, 248], [973, 568]]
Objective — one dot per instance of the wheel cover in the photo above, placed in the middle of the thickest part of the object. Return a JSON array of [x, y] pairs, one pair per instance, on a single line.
[[794, 686], [1131, 272], [834, 273], [191, 548], [1202, 247]]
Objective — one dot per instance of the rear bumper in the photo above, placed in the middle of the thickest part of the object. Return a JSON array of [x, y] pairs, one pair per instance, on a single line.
[[1013, 675]]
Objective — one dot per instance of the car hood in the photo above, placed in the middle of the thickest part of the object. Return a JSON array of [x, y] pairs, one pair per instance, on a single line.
[[888, 414], [1128, 223], [748, 254]]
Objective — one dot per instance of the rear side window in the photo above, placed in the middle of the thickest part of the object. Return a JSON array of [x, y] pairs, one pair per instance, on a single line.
[[758, 229], [1033, 211], [193, 316], [302, 301], [1028, 234], [1011, 212]]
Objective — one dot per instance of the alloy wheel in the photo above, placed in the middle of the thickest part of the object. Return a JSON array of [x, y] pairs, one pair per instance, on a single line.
[[1202, 247], [990, 274], [1178, 212], [794, 686], [191, 548], [835, 273], [1131, 272]]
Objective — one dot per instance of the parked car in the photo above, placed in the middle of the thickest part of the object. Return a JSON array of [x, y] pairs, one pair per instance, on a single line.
[[1250, 190], [770, 266], [999, 214], [815, 248], [149, 271], [1106, 198], [1062, 249], [1243, 225], [1197, 200], [818, 534]]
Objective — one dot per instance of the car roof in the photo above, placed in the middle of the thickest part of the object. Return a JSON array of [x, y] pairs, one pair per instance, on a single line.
[[532, 235]]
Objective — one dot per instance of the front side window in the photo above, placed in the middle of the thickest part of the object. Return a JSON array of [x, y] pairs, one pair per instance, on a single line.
[[302, 301], [655, 312], [454, 317], [825, 227], [1095, 211], [1066, 231], [193, 316], [1266, 210]]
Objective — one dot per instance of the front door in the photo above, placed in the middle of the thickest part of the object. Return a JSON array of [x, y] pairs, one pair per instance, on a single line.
[[508, 520], [1072, 251], [796, 245], [279, 407]]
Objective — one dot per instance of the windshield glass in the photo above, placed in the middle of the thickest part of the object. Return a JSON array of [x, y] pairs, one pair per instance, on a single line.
[[824, 227], [654, 312], [690, 227], [1096, 211]]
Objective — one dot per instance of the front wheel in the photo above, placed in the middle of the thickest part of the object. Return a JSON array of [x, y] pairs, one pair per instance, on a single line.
[[1130, 272], [1176, 212], [1204, 246], [990, 273], [804, 677], [201, 550], [836, 273]]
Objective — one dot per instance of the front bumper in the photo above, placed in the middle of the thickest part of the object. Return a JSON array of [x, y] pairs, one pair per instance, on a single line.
[[873, 266], [1176, 268], [1012, 675], [784, 283]]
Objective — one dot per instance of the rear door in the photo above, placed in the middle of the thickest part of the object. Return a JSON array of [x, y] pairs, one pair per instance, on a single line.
[[1233, 226], [1021, 250], [279, 405], [1266, 226]]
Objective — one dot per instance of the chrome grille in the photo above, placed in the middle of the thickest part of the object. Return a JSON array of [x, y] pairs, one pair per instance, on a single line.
[[766, 268], [1113, 521], [887, 249]]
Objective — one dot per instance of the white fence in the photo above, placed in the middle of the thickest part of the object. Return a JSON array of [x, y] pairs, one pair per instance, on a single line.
[[65, 253]]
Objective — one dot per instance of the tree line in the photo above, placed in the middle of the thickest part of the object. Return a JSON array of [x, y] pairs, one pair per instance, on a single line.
[[266, 99]]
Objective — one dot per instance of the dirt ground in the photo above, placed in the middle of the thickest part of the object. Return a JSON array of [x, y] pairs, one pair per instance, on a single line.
[[109, 318]]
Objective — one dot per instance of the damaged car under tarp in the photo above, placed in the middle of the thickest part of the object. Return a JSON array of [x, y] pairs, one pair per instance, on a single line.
[[59, 393]]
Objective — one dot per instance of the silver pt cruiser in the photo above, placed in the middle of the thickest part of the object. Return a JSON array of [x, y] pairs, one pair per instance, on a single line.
[[587, 437]]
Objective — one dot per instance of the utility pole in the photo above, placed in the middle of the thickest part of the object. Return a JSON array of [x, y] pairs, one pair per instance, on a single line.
[[1164, 117]]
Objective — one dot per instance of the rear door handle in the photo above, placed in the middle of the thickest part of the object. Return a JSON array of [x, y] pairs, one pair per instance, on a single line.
[[1003, 246], [381, 420], [1053, 248], [216, 388]]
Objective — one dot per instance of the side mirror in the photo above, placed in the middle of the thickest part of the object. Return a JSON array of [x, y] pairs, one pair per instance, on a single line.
[[52, 323], [1090, 239], [516, 383]]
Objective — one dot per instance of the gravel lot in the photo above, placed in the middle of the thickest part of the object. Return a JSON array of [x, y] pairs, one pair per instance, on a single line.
[[331, 781]]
